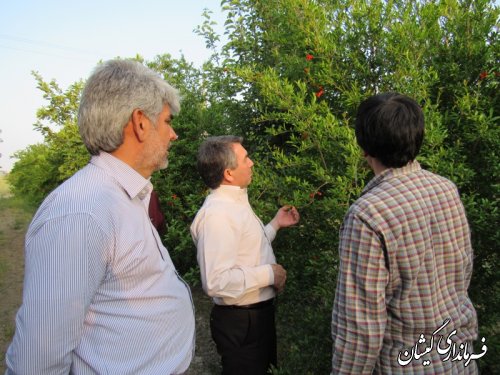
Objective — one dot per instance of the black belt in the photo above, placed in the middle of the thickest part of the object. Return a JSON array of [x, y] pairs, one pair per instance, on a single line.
[[253, 306]]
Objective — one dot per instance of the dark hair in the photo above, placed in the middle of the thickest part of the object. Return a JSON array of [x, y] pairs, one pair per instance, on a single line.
[[214, 156], [390, 127]]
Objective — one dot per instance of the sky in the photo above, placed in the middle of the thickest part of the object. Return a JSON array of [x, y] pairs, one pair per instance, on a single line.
[[65, 39]]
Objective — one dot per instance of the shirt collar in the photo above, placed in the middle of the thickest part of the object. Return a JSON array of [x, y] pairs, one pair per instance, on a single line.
[[129, 179], [235, 192], [388, 173]]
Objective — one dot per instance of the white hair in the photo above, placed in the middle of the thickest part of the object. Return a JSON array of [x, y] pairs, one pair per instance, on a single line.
[[113, 91]]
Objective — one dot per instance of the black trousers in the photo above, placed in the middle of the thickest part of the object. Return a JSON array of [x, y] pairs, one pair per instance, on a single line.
[[245, 339]]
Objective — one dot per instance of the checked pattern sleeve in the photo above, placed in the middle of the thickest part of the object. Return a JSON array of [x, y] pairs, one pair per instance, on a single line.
[[359, 313]]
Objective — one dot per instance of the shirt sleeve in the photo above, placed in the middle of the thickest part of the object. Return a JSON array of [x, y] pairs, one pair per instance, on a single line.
[[359, 311], [270, 232], [65, 262], [217, 240]]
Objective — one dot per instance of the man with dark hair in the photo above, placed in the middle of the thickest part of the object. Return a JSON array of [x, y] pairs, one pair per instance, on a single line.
[[237, 264], [405, 256]]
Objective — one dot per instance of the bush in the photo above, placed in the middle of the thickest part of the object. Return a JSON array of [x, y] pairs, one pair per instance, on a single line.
[[289, 79]]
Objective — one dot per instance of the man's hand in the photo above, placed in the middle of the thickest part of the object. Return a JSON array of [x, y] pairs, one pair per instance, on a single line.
[[279, 277], [285, 217]]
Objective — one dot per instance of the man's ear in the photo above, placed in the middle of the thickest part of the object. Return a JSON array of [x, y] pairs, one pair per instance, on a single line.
[[228, 176], [139, 124]]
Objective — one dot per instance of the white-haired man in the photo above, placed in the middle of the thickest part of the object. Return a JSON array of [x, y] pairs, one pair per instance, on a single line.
[[101, 295]]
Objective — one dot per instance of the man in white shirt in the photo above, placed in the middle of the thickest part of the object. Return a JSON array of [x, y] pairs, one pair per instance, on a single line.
[[237, 264], [101, 295]]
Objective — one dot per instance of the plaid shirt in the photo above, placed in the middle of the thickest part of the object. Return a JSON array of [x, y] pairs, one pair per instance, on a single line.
[[405, 266]]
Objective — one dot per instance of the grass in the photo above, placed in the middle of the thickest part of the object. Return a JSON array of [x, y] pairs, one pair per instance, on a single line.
[[3, 271], [15, 216], [19, 223], [12, 202], [4, 187], [20, 214]]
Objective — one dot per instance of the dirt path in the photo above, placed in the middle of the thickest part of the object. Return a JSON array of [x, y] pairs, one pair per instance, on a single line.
[[206, 360], [13, 224]]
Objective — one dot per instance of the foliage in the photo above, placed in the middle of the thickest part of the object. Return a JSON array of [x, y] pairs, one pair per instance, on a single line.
[[306, 66], [42, 167], [289, 79], [16, 214], [4, 187], [204, 112]]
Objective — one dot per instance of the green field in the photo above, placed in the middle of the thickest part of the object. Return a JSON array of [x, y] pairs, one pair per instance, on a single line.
[[15, 216], [4, 187]]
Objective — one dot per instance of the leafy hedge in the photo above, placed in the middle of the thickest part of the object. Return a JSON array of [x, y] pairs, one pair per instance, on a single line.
[[289, 79]]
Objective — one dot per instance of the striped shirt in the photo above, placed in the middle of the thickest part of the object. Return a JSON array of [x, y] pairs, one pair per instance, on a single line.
[[101, 295], [405, 266]]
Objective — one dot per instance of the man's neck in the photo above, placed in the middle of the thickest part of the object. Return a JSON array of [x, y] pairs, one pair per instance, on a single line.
[[375, 165]]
